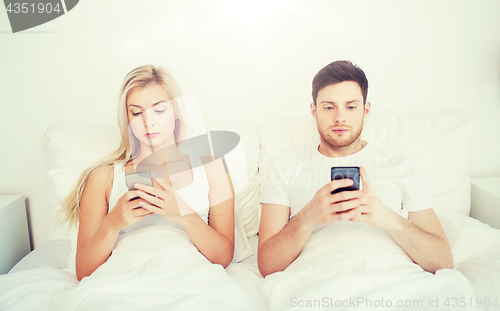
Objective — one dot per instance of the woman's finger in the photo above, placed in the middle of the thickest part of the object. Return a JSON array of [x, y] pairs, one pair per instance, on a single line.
[[156, 200], [163, 183], [140, 211], [148, 189], [151, 208]]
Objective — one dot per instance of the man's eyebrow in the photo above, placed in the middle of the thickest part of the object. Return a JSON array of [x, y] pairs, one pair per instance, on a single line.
[[333, 103], [161, 101]]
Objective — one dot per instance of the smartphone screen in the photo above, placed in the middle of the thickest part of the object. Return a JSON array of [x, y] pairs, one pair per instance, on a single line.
[[138, 177], [348, 172]]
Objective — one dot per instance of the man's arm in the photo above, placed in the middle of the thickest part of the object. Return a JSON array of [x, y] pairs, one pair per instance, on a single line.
[[281, 240], [422, 238]]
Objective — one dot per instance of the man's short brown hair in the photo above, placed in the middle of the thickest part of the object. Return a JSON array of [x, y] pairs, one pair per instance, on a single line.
[[336, 72]]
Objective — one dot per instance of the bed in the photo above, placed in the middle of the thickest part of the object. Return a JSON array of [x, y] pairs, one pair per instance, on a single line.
[[363, 269]]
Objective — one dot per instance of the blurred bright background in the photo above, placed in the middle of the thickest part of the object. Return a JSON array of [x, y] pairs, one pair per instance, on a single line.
[[246, 61]]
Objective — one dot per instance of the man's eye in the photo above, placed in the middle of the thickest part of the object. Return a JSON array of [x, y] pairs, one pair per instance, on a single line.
[[328, 108], [351, 107]]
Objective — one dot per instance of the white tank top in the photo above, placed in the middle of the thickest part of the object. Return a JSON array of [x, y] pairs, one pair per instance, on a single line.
[[195, 194]]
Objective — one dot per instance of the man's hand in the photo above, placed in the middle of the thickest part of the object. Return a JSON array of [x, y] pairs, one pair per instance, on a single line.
[[372, 211], [281, 239], [326, 207]]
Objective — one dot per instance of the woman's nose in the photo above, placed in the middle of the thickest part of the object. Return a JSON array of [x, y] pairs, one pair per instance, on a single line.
[[149, 117]]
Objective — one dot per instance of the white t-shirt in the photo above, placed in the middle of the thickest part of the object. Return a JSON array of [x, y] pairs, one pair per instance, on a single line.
[[296, 176], [194, 195]]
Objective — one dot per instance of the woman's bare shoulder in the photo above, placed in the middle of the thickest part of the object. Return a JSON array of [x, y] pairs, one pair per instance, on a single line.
[[100, 181]]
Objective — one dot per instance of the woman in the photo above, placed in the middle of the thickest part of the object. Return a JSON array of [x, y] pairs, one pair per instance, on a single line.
[[156, 248], [150, 119]]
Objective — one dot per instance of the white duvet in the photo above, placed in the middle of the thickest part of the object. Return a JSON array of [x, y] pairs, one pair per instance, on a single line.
[[346, 266], [155, 268], [352, 266]]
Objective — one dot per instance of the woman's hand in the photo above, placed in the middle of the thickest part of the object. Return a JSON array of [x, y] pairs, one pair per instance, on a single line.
[[126, 212], [163, 201]]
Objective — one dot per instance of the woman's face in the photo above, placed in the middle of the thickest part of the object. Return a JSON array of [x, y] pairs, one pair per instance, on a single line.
[[152, 116]]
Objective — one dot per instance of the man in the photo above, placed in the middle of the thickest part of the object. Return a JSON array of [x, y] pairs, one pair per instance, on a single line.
[[292, 209]]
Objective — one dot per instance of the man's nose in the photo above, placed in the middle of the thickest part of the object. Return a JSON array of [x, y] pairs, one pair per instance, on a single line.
[[340, 116]]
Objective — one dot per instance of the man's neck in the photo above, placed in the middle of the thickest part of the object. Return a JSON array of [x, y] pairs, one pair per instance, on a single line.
[[336, 152]]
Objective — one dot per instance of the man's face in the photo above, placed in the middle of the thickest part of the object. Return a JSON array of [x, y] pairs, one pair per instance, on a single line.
[[339, 113]]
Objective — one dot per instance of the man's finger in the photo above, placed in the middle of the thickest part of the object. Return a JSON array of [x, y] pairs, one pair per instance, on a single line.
[[364, 177], [335, 184], [361, 218], [346, 195], [364, 209], [347, 215], [346, 205]]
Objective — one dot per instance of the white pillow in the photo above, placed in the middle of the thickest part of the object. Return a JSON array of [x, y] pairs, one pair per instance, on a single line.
[[438, 142], [71, 148]]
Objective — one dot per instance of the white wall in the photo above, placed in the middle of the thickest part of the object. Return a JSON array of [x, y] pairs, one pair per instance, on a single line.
[[245, 61]]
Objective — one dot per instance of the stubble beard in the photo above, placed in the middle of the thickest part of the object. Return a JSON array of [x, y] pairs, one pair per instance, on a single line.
[[328, 138]]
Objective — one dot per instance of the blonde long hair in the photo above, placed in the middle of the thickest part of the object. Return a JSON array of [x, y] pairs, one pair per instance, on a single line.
[[129, 146]]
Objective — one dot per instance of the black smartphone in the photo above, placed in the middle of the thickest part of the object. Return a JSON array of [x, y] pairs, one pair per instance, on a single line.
[[348, 172], [138, 177]]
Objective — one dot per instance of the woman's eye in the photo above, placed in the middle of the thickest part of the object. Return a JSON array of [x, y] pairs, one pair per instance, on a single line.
[[160, 111], [136, 113]]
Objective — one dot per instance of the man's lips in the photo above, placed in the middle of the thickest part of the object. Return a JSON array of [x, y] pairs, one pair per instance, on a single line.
[[340, 130], [151, 135]]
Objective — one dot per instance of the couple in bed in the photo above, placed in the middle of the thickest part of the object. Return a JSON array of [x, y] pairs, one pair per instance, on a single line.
[[118, 247], [392, 200], [151, 120]]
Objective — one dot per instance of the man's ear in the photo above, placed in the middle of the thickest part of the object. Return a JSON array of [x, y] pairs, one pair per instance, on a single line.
[[312, 106], [367, 107]]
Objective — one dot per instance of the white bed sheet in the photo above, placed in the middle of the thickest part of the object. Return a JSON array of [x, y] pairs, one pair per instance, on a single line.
[[344, 266], [361, 263], [150, 269]]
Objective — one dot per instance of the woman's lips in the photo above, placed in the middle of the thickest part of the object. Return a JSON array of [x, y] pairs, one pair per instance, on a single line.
[[151, 135]]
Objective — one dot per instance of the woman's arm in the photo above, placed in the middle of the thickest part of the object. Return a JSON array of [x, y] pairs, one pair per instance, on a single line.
[[99, 230], [95, 237], [215, 241]]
